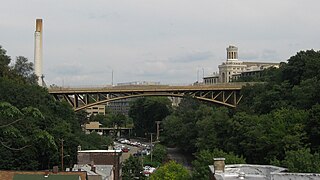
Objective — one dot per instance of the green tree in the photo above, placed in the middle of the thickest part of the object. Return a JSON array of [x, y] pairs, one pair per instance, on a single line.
[[100, 142], [171, 171], [213, 126], [159, 155], [32, 123], [145, 111], [304, 65], [179, 127], [312, 128], [25, 69], [204, 158], [132, 168], [4, 62], [302, 160]]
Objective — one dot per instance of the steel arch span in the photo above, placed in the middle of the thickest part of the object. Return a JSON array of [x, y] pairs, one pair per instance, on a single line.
[[81, 98]]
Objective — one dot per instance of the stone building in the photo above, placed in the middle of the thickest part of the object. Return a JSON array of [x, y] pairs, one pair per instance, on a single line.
[[233, 68]]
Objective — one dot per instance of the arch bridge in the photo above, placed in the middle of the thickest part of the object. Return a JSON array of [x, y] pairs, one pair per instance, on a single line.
[[227, 94]]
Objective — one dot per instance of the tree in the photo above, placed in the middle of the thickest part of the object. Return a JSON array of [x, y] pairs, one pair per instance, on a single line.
[[20, 134], [213, 126], [204, 158], [312, 128], [4, 62], [132, 168], [179, 127], [25, 69], [145, 111], [171, 171], [304, 65], [302, 160], [159, 155]]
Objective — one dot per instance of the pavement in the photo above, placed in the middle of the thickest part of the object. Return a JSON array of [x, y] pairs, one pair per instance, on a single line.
[[126, 155]]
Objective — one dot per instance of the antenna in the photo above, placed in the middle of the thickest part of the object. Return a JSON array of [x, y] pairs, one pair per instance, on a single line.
[[112, 77]]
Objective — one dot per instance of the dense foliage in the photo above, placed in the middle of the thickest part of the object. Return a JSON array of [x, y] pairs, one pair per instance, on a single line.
[[205, 157], [275, 121], [132, 168], [145, 111], [171, 171], [159, 156], [33, 125]]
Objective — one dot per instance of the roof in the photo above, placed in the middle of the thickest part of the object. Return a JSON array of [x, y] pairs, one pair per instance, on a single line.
[[9, 175], [103, 170], [45, 177], [249, 171], [260, 172]]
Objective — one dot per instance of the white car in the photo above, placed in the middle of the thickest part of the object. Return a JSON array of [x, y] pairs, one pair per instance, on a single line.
[[147, 170]]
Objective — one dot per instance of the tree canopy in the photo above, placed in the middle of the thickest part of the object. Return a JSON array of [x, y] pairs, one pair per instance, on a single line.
[[145, 111], [33, 124], [275, 120], [171, 171]]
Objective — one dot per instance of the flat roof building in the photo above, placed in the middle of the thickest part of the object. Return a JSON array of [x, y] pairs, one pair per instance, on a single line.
[[220, 171]]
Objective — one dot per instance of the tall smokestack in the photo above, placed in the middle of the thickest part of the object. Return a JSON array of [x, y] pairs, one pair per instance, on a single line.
[[38, 51]]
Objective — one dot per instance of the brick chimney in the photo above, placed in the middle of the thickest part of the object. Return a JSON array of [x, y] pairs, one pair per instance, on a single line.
[[219, 165]]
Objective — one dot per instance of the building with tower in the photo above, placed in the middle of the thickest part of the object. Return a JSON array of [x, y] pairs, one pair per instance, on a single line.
[[234, 68]]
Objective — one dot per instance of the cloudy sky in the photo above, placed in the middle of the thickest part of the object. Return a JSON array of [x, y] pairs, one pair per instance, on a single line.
[[168, 41]]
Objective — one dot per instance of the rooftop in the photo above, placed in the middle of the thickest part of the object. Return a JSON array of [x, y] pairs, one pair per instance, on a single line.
[[259, 172]]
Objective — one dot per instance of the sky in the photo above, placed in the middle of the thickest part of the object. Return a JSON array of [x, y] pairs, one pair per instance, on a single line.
[[167, 41]]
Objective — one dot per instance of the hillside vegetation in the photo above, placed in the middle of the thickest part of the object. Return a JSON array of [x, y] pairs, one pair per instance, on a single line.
[[33, 124], [277, 122]]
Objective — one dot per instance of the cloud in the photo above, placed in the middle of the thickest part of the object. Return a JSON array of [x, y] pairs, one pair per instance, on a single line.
[[249, 56], [142, 39], [192, 57], [269, 54]]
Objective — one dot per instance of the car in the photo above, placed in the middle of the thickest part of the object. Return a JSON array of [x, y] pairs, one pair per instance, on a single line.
[[125, 149], [147, 170], [125, 141]]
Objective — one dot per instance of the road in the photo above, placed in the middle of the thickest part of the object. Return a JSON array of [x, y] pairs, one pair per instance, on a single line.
[[126, 155]]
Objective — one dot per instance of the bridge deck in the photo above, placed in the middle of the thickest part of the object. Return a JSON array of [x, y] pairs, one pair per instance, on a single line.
[[80, 98], [146, 88]]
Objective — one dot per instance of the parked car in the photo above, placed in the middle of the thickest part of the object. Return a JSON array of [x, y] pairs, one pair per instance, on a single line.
[[147, 170], [125, 149]]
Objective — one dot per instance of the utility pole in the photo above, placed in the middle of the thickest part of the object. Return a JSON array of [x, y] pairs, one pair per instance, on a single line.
[[151, 146], [158, 133], [202, 74], [62, 154]]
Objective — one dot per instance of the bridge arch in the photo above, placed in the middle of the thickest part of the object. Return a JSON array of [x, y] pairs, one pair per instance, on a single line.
[[146, 95], [225, 94]]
